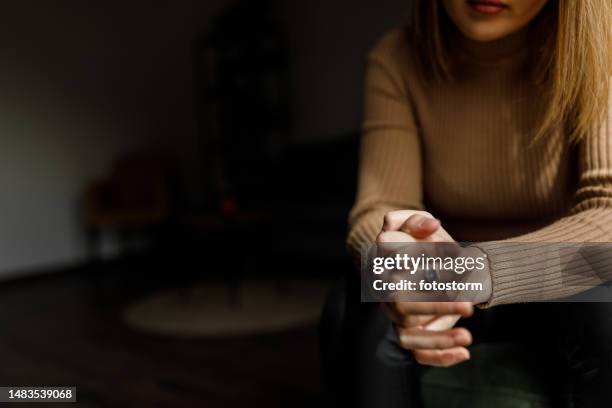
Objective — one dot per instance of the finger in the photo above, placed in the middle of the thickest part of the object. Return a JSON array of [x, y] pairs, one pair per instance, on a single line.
[[393, 220], [420, 226], [463, 309], [404, 320], [415, 338], [386, 237], [392, 242], [442, 358], [442, 322]]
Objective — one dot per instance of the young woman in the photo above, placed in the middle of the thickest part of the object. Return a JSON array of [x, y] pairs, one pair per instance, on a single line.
[[494, 116]]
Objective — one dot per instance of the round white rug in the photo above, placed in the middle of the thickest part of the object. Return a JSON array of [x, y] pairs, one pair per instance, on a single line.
[[207, 310]]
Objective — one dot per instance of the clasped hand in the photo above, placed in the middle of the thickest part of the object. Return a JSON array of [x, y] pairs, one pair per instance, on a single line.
[[427, 328]]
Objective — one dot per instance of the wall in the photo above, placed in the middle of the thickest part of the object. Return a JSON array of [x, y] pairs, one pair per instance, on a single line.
[[83, 81], [329, 42]]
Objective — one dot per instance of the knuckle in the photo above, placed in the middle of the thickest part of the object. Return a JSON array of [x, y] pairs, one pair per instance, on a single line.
[[397, 238], [443, 341], [446, 363], [440, 308], [412, 321], [388, 219], [462, 308], [404, 341], [392, 218], [383, 237], [419, 358]]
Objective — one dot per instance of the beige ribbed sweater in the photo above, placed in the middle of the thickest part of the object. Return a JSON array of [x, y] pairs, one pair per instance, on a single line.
[[464, 151]]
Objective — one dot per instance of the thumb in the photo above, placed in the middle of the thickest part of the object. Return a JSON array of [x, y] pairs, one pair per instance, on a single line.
[[420, 226]]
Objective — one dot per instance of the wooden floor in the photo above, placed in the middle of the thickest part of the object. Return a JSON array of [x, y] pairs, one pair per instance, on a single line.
[[66, 330]]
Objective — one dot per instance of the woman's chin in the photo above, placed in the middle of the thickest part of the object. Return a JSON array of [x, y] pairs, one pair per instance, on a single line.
[[485, 32]]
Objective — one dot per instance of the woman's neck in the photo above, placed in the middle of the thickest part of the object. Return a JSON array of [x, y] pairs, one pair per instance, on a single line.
[[504, 55], [511, 46]]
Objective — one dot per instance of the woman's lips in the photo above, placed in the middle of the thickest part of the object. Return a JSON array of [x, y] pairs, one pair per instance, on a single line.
[[488, 7]]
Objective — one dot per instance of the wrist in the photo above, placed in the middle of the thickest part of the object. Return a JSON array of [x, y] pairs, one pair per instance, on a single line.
[[481, 274]]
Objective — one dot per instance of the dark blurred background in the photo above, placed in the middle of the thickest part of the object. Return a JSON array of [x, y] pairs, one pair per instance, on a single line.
[[176, 177]]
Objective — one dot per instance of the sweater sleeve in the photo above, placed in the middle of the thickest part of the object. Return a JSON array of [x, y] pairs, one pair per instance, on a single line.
[[523, 272], [390, 157]]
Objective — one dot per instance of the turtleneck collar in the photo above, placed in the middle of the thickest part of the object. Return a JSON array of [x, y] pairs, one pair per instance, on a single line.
[[505, 53]]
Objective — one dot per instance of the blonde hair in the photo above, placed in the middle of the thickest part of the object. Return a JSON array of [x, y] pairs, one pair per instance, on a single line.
[[574, 64]]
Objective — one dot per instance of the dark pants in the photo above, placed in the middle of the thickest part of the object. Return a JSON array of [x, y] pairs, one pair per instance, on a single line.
[[573, 339]]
